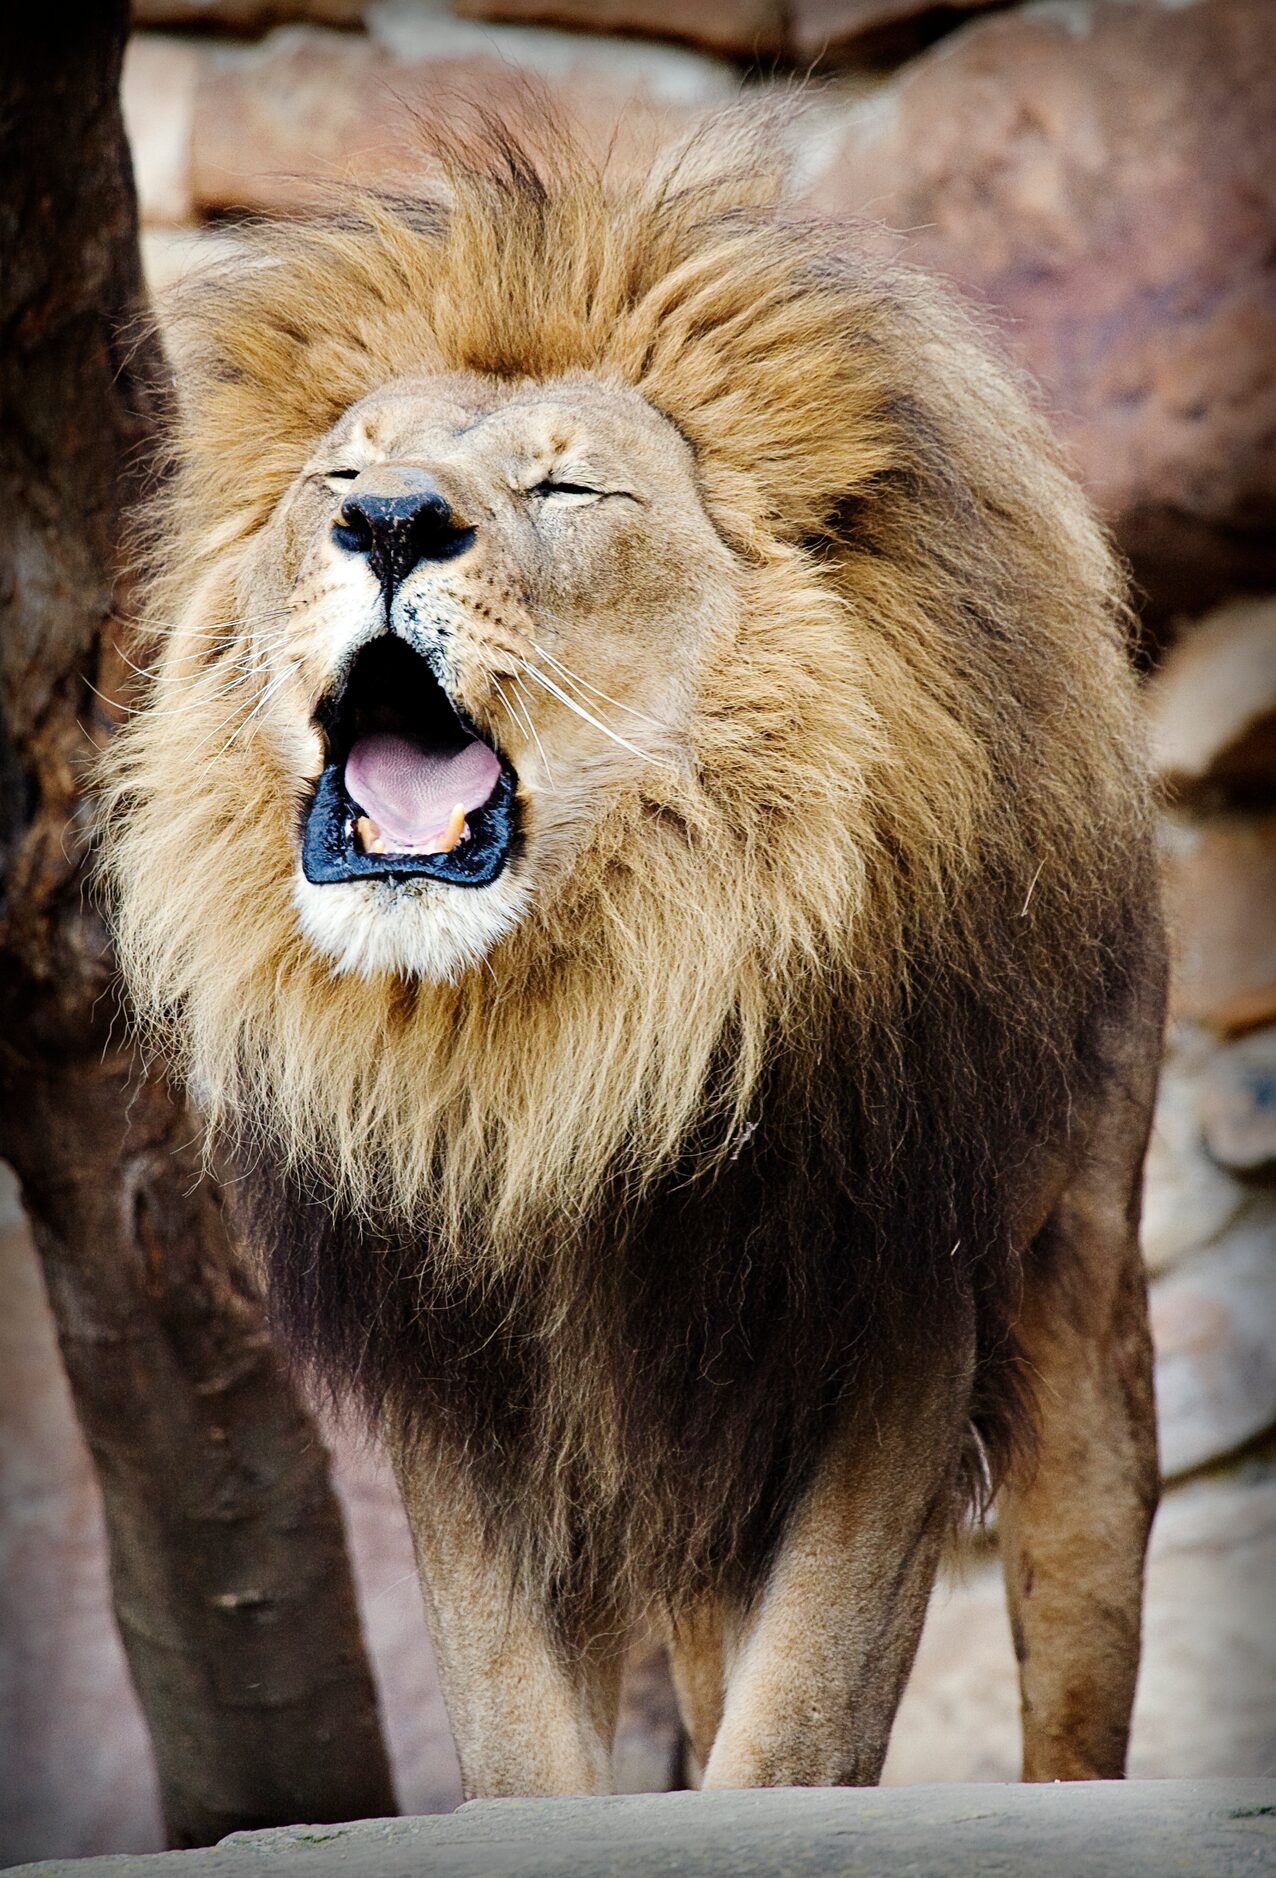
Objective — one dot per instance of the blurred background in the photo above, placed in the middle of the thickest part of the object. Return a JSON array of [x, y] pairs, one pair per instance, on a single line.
[[1100, 175]]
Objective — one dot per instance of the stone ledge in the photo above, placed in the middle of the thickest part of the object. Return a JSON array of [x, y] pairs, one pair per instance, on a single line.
[[1196, 1828]]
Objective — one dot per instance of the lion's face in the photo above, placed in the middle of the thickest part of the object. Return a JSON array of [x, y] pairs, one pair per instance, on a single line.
[[479, 614]]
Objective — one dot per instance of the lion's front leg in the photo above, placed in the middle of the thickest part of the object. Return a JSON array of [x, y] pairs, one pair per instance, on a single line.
[[812, 1689], [529, 1717]]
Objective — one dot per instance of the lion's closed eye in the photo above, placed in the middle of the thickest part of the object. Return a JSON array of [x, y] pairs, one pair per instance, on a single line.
[[552, 486]]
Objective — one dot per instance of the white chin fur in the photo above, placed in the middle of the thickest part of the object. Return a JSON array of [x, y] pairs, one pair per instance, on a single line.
[[417, 929]]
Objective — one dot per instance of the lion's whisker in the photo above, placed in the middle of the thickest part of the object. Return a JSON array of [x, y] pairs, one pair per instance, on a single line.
[[171, 629], [186, 707], [573, 704], [526, 702], [271, 688], [515, 717], [266, 695], [576, 679], [234, 681], [524, 719]]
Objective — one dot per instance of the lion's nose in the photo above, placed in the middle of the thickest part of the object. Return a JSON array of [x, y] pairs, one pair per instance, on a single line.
[[398, 516]]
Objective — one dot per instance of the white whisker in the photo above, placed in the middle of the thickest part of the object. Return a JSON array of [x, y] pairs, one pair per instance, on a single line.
[[172, 629], [239, 729], [576, 679], [523, 719], [526, 703], [573, 704]]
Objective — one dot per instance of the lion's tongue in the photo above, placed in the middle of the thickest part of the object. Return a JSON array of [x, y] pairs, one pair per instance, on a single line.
[[411, 793]]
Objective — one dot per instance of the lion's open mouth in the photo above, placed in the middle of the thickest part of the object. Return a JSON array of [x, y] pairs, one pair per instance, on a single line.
[[408, 784]]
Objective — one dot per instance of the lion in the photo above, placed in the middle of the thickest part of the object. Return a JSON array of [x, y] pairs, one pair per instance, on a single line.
[[636, 835]]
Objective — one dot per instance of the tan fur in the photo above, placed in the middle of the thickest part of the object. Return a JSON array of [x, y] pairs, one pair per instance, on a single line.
[[853, 646], [829, 727]]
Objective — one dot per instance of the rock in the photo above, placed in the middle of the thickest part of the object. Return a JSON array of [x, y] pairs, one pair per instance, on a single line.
[[666, 75], [281, 124], [1122, 233], [750, 29], [1212, 708], [1220, 890], [959, 1719], [1209, 1657], [1238, 1103], [1083, 1829], [247, 16], [1188, 1198], [157, 94], [275, 122], [1214, 1328], [819, 27]]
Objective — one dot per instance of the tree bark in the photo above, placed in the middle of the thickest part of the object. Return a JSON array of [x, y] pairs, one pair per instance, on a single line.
[[229, 1572]]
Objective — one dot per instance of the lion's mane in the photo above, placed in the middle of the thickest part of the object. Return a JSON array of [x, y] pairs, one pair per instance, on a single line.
[[733, 1127]]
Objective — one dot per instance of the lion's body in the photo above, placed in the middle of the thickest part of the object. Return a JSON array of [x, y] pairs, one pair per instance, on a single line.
[[737, 1134]]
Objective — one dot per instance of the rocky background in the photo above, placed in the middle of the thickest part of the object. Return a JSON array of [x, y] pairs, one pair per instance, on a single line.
[[1100, 175]]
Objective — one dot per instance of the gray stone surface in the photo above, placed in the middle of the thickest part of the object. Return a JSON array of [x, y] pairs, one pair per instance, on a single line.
[[1196, 1828], [1188, 1199], [1214, 1327]]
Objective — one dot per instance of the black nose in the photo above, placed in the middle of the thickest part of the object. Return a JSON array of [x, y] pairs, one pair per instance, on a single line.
[[399, 517]]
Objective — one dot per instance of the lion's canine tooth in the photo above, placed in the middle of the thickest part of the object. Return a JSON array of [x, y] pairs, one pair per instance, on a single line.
[[454, 830]]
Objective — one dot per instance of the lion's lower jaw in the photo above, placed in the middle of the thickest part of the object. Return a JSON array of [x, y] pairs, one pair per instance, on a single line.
[[419, 929]]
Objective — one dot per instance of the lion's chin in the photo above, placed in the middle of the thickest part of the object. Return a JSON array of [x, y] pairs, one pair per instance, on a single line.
[[407, 928]]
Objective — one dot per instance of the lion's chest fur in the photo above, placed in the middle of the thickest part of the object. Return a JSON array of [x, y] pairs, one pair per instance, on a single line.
[[637, 1406]]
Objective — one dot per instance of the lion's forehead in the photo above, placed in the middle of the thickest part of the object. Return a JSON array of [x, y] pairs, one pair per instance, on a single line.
[[504, 424]]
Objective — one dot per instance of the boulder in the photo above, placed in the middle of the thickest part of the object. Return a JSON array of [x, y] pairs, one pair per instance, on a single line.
[[157, 95], [1188, 1199], [1212, 708], [1100, 175], [1220, 888], [1209, 1630], [749, 29], [1073, 1829], [247, 16], [285, 123], [1214, 1328], [1238, 1103]]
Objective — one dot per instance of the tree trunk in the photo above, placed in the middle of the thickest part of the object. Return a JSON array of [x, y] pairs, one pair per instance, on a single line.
[[228, 1562]]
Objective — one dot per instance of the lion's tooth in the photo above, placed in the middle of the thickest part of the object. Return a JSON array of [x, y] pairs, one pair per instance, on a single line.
[[370, 836], [454, 830], [372, 841]]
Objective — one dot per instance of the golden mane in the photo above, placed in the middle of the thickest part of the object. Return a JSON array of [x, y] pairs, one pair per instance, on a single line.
[[923, 725]]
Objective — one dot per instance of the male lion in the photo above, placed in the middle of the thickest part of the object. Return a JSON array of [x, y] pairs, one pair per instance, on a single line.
[[637, 839]]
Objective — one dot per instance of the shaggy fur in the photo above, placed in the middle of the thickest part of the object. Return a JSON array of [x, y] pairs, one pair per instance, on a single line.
[[757, 1101]]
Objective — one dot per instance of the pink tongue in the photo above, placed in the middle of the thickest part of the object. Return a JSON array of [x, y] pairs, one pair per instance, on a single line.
[[411, 794]]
